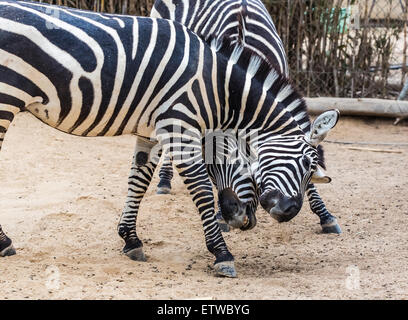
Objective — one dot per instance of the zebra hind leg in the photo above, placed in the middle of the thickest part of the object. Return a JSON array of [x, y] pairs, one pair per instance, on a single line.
[[327, 220], [7, 113], [165, 174], [143, 165]]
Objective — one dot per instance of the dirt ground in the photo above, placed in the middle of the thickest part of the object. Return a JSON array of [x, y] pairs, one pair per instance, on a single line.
[[61, 198]]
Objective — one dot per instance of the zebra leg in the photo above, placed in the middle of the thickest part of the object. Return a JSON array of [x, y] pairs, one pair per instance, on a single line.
[[7, 113], [143, 165], [165, 174], [188, 159], [203, 197], [327, 220]]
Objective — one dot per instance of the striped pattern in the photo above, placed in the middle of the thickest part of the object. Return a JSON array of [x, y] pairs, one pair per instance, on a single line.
[[241, 21], [93, 74], [246, 22], [281, 167]]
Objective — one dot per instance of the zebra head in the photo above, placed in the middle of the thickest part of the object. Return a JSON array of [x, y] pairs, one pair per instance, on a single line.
[[230, 172], [287, 164]]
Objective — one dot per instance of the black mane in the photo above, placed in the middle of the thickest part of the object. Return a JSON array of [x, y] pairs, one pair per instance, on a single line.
[[224, 47]]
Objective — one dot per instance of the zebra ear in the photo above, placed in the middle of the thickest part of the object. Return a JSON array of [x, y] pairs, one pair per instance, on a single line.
[[322, 125], [319, 176]]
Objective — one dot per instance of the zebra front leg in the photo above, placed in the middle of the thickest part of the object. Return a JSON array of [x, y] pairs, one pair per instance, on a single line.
[[165, 175], [327, 220], [143, 165], [7, 113], [191, 168], [201, 191], [6, 246]]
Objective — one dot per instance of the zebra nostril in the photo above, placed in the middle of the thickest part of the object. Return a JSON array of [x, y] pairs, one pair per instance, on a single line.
[[268, 204], [292, 210], [231, 207], [264, 203]]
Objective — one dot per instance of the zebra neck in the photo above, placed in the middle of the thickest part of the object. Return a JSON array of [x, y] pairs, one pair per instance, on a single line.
[[258, 103]]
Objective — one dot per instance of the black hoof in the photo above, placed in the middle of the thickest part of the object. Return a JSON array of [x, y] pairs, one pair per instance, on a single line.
[[331, 229], [225, 269], [136, 254], [331, 226], [164, 187], [163, 190], [134, 249], [7, 249]]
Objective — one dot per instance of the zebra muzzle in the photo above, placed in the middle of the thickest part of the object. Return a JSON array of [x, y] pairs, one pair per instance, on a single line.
[[232, 209], [279, 206]]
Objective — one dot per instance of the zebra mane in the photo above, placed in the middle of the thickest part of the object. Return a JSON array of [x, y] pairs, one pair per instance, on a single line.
[[268, 74], [265, 72]]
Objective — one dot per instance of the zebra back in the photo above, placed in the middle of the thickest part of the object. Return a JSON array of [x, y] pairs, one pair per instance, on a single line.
[[244, 21]]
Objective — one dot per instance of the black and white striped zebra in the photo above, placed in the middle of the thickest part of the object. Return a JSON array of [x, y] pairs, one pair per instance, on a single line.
[[249, 23], [92, 74], [246, 21]]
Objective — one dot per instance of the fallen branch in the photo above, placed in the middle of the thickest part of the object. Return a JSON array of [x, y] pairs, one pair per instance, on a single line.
[[375, 150], [359, 107]]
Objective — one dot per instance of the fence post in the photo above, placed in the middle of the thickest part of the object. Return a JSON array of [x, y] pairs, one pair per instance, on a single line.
[[404, 90]]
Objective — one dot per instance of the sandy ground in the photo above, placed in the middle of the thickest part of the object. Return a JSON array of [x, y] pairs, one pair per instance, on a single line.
[[61, 198]]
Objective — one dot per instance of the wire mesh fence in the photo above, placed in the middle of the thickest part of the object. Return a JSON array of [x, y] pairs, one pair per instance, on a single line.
[[133, 7], [342, 48]]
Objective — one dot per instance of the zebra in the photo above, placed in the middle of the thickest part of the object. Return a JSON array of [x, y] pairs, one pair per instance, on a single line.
[[91, 74], [249, 23]]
